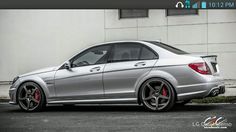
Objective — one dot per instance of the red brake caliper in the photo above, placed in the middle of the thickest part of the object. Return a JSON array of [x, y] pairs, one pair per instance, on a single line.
[[164, 91], [37, 95]]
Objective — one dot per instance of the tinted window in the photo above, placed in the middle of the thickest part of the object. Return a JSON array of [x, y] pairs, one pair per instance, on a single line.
[[147, 54], [126, 52], [169, 48], [96, 55]]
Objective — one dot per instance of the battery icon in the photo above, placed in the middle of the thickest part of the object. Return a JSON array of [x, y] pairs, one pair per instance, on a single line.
[[203, 4]]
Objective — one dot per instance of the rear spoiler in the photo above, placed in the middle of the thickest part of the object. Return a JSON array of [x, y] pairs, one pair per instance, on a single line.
[[205, 56]]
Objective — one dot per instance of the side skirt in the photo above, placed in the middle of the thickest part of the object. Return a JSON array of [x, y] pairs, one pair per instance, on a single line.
[[96, 101]]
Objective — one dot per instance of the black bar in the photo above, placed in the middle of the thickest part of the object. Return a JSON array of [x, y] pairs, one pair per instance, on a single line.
[[99, 4]]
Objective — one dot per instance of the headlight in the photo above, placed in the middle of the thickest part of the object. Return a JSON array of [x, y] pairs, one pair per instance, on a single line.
[[15, 79]]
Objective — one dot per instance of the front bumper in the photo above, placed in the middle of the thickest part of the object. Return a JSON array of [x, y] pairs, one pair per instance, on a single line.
[[12, 95]]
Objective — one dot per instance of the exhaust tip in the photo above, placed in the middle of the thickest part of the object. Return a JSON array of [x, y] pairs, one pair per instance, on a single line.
[[214, 92]]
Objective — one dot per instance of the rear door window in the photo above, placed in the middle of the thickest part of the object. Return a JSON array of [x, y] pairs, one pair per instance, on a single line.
[[126, 52]]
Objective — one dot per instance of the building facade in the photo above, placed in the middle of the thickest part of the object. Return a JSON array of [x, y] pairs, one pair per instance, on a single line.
[[33, 39]]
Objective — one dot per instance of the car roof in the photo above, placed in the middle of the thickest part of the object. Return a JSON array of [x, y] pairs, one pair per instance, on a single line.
[[123, 41]]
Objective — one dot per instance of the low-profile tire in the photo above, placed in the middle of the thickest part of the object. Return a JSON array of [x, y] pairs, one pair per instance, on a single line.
[[157, 94], [31, 97]]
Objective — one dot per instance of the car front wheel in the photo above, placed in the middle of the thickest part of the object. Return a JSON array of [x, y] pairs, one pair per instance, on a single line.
[[30, 97]]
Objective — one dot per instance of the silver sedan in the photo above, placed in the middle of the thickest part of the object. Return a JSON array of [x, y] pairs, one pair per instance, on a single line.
[[150, 73]]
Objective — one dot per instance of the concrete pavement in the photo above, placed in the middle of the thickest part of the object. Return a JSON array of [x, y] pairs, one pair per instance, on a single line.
[[114, 118]]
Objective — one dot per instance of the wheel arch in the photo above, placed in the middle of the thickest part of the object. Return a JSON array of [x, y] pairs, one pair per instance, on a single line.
[[39, 82], [156, 74]]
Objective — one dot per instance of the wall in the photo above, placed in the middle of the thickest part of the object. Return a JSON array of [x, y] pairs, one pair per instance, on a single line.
[[32, 39]]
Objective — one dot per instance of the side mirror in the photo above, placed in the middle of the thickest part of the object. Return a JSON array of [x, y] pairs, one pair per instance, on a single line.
[[67, 65]]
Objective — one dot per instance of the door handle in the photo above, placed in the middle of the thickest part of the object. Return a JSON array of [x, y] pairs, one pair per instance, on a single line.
[[140, 64], [95, 69]]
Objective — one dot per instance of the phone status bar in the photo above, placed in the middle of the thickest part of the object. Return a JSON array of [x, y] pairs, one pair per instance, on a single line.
[[212, 4]]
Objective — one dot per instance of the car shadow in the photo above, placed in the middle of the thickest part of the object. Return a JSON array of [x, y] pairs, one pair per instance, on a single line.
[[123, 108]]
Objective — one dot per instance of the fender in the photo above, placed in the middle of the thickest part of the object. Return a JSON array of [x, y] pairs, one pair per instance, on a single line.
[[155, 73], [37, 80]]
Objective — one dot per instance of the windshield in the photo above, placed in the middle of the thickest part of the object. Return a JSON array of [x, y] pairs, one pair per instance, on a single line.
[[168, 47]]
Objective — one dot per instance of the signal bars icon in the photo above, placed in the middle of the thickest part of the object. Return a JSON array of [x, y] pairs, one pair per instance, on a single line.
[[196, 5]]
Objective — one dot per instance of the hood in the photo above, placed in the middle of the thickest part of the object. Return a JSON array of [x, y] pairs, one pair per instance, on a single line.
[[48, 69]]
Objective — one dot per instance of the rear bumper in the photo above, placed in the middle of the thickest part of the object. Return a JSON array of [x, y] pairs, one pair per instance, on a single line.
[[210, 88], [216, 91]]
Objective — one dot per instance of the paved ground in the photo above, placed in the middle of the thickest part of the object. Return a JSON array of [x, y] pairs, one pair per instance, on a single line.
[[113, 118]]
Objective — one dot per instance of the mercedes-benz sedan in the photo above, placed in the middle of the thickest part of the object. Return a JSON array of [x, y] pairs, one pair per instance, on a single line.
[[150, 73]]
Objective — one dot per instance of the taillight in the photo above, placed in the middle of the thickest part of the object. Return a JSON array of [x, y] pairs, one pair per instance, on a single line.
[[200, 67]]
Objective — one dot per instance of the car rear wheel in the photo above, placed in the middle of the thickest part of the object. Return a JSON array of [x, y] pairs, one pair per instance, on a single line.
[[30, 97], [157, 95]]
